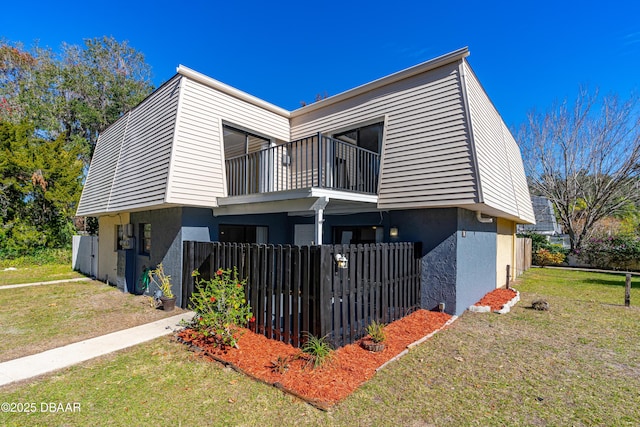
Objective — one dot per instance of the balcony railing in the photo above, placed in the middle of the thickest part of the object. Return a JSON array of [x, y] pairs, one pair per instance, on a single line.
[[318, 161]]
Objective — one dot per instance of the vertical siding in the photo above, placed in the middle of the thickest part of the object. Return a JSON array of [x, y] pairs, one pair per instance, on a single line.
[[197, 173], [97, 188], [141, 174], [502, 179], [426, 155]]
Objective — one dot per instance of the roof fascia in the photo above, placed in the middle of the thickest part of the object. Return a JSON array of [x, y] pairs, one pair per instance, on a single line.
[[229, 90], [431, 64]]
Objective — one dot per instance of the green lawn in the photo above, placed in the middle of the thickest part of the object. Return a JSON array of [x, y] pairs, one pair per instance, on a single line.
[[37, 273], [38, 318], [576, 364]]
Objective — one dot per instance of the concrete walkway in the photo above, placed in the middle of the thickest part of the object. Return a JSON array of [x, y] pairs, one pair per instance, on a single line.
[[51, 282], [62, 357]]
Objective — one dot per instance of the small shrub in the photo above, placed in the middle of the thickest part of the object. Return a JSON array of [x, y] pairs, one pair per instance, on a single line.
[[543, 257], [376, 331], [161, 280], [615, 252], [38, 256], [221, 307], [280, 365], [318, 349]]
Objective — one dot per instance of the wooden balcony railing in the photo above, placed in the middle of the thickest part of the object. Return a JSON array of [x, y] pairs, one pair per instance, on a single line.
[[317, 161]]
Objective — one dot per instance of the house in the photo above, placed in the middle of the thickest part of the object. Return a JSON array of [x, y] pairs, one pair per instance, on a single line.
[[546, 223], [421, 155], [545, 217]]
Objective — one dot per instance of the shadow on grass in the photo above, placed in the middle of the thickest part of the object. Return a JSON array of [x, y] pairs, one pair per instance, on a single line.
[[618, 281]]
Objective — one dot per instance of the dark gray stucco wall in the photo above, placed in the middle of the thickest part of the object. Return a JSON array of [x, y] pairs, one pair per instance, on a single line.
[[436, 230], [456, 270], [280, 231], [166, 244], [477, 252]]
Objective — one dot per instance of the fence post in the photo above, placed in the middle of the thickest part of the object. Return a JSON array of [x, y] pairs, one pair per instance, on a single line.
[[627, 290], [324, 292], [508, 276], [187, 269]]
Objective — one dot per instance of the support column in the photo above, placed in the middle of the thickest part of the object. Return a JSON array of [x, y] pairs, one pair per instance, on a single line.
[[318, 207], [318, 226]]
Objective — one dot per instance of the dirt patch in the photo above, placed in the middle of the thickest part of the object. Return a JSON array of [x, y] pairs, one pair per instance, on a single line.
[[350, 366]]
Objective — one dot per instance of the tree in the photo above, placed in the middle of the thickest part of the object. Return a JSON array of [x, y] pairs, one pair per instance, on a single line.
[[40, 185], [77, 93], [585, 158]]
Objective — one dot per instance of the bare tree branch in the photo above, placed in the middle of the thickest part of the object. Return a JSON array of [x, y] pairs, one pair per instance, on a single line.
[[585, 158]]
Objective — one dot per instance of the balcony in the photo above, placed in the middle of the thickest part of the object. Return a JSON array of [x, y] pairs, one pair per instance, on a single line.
[[314, 162]]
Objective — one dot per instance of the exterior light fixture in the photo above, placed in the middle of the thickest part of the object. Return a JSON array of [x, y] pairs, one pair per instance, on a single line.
[[393, 231], [342, 261]]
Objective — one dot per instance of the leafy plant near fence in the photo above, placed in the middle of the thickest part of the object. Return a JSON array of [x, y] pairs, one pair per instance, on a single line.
[[544, 252], [318, 350], [221, 306], [543, 257], [618, 251], [41, 256]]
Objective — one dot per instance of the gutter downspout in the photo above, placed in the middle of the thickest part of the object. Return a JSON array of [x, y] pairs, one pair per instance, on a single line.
[[482, 219]]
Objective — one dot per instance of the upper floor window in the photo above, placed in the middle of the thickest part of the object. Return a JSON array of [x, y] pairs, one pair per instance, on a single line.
[[239, 142], [368, 137]]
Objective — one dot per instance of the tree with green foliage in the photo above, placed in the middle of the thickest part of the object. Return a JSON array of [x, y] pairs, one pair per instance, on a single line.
[[585, 158], [52, 107], [40, 186], [76, 93]]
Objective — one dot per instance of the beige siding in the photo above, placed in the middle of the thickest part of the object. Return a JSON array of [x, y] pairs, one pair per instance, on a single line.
[[141, 174], [523, 197], [107, 253], [502, 180], [96, 191], [197, 175], [505, 251], [426, 156]]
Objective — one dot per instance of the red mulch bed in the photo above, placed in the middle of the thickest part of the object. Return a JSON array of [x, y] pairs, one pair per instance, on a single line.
[[497, 298], [349, 367]]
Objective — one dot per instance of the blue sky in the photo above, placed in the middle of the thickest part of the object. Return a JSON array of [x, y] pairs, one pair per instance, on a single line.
[[526, 54]]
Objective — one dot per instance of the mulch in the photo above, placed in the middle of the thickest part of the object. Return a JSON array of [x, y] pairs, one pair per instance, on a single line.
[[497, 298], [350, 366]]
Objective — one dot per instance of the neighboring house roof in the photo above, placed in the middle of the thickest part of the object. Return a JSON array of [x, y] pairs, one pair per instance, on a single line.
[[545, 217], [445, 145]]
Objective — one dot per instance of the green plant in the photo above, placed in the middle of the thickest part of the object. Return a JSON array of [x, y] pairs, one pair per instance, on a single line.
[[220, 305], [280, 365], [611, 251], [376, 331], [318, 350], [161, 280], [544, 257]]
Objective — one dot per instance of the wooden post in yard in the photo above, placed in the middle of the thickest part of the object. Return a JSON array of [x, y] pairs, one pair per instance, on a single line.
[[508, 275], [627, 291]]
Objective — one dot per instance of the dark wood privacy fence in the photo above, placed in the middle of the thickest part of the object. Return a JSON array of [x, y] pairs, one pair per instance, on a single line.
[[298, 290]]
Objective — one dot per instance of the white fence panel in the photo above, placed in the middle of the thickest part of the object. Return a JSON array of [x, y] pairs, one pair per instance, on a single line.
[[85, 255]]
